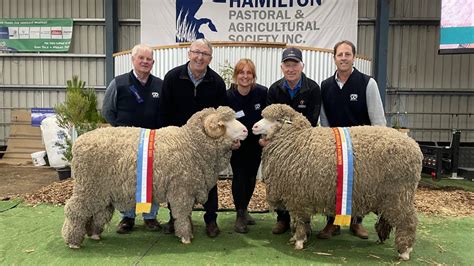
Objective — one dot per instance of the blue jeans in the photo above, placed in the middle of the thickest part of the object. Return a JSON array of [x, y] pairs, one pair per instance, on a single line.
[[151, 215]]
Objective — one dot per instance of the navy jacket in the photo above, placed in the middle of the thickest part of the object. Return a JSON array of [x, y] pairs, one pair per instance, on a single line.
[[180, 99], [307, 100]]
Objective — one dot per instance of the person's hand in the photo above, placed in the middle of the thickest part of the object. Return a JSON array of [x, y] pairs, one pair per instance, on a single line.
[[235, 145], [263, 141]]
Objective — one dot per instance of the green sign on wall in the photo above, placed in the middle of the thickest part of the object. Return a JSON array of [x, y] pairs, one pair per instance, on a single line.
[[35, 35]]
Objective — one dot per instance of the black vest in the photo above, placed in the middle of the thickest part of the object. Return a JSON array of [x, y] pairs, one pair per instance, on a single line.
[[138, 109], [346, 107]]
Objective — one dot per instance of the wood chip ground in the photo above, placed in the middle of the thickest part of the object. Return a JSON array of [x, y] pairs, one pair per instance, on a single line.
[[437, 202]]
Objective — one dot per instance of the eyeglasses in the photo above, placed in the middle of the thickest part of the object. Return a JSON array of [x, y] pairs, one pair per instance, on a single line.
[[204, 54]]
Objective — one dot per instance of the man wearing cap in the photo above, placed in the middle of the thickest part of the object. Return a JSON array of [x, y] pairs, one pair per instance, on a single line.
[[303, 95]]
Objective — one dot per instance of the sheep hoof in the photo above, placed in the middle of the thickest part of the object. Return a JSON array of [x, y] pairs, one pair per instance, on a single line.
[[405, 255], [185, 240], [292, 239], [299, 244], [95, 237], [74, 246]]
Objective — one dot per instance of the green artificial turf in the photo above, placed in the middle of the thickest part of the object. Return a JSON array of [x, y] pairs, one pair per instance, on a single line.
[[32, 236]]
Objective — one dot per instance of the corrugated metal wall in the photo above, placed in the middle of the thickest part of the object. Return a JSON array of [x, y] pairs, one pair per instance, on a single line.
[[38, 80], [433, 93]]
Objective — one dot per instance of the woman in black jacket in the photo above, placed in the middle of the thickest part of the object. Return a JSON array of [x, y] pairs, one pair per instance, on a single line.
[[248, 99]]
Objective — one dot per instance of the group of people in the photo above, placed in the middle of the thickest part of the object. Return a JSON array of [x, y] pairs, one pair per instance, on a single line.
[[348, 98]]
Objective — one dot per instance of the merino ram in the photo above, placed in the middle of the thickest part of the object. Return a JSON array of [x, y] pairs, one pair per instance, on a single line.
[[187, 161], [299, 170]]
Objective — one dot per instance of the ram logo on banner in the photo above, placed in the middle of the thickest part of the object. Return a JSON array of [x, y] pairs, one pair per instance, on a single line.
[[316, 23]]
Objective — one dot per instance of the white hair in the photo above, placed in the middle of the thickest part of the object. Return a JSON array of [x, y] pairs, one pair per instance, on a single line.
[[141, 47], [203, 41]]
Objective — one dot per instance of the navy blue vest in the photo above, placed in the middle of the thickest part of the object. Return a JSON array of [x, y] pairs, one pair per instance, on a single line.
[[139, 107], [346, 107]]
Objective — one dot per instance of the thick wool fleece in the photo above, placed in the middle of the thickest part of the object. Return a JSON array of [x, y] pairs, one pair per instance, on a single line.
[[299, 170], [186, 166]]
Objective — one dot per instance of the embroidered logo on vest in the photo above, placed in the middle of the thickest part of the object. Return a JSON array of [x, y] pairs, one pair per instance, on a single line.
[[302, 105], [353, 97]]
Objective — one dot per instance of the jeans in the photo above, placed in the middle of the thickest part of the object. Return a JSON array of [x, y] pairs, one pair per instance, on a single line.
[[146, 216]]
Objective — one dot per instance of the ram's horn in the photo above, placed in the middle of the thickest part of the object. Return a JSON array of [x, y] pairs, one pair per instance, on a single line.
[[213, 127]]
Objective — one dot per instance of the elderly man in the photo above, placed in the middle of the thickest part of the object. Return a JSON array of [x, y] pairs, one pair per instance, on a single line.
[[131, 99], [188, 89], [303, 95]]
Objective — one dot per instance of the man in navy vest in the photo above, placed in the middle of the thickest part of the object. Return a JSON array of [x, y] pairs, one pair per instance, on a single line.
[[131, 99], [349, 98]]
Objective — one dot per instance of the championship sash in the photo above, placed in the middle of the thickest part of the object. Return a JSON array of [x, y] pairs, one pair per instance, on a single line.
[[145, 171], [345, 173]]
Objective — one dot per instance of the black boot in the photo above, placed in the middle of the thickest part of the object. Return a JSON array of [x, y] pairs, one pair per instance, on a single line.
[[168, 228], [126, 225], [250, 219], [241, 222]]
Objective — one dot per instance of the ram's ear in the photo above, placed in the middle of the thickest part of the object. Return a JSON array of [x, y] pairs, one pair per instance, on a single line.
[[213, 127]]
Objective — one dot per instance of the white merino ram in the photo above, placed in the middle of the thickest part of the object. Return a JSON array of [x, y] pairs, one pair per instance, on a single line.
[[187, 162], [299, 170]]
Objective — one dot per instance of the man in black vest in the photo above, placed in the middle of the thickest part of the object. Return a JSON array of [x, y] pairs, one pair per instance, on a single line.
[[188, 89], [131, 99], [302, 94], [350, 98]]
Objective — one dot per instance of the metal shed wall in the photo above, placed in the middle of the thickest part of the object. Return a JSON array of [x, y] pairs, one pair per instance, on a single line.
[[37, 79], [430, 93]]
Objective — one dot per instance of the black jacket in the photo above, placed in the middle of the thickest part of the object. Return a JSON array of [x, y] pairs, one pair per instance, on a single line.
[[248, 109], [307, 100], [180, 99]]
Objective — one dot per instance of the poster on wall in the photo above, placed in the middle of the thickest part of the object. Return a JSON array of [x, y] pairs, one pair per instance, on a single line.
[[457, 27], [35, 35], [314, 23]]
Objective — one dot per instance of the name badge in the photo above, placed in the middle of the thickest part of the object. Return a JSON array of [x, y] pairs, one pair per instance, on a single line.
[[239, 114], [302, 106]]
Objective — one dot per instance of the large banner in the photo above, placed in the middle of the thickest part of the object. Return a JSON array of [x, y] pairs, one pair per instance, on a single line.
[[316, 23], [35, 35]]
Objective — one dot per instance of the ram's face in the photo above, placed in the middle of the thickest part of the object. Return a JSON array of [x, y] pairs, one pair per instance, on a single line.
[[235, 130], [264, 127]]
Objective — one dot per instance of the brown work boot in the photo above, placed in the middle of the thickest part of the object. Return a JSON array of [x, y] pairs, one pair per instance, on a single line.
[[281, 227], [359, 230], [241, 222], [329, 231], [250, 219], [125, 226], [212, 230], [152, 224], [168, 228]]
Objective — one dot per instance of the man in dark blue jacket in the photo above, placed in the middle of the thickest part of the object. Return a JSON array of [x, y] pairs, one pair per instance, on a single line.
[[188, 89], [302, 94]]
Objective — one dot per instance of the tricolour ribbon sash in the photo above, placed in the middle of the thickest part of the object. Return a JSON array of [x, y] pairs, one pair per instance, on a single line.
[[145, 171], [345, 173]]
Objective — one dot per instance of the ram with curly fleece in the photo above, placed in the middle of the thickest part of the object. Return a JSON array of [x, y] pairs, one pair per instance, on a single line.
[[187, 162], [299, 170]]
